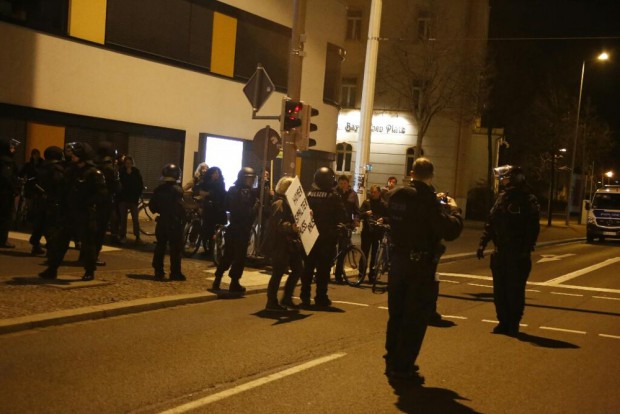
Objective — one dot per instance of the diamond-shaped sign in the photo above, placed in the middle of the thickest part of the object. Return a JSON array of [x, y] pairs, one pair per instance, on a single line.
[[259, 88]]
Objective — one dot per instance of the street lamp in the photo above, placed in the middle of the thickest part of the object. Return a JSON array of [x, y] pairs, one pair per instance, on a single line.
[[608, 174], [601, 57]]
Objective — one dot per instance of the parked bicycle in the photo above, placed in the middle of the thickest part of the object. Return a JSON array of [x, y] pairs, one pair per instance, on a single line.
[[354, 260], [381, 266], [220, 242], [192, 233]]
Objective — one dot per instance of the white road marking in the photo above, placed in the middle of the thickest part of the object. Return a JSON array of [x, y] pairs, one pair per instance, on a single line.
[[609, 336], [350, 303], [605, 297], [489, 321], [477, 284], [252, 384], [549, 328], [453, 317], [449, 281], [382, 307], [466, 276], [553, 257], [566, 294], [580, 272], [532, 290]]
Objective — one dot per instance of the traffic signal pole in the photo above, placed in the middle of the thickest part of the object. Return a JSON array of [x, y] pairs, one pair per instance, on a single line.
[[289, 150]]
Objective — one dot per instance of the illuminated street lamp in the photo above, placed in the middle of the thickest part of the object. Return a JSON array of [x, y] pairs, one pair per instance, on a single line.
[[602, 57], [609, 175]]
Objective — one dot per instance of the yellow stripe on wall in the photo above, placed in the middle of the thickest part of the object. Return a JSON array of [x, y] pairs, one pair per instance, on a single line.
[[87, 19], [223, 45]]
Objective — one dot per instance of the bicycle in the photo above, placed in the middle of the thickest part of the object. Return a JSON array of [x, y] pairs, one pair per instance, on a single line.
[[192, 233], [382, 257], [354, 260], [219, 242]]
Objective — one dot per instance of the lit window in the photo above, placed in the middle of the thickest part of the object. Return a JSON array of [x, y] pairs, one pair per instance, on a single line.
[[354, 25], [344, 152]]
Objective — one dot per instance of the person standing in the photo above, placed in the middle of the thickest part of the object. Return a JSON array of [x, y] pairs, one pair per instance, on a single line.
[[167, 201], [212, 190], [373, 210], [352, 219], [328, 212], [132, 185], [418, 225], [282, 244], [8, 189], [85, 194], [242, 203], [108, 209], [513, 225], [391, 184]]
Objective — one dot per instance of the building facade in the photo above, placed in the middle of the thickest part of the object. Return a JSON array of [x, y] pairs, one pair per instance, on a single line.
[[163, 79]]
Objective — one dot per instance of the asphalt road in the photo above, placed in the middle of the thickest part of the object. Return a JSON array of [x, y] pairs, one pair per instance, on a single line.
[[230, 356]]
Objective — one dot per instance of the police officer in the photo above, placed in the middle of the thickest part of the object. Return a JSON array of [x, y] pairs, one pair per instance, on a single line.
[[84, 193], [418, 224], [167, 201], [106, 163], [352, 208], [242, 203], [8, 188], [328, 212], [50, 186], [513, 225]]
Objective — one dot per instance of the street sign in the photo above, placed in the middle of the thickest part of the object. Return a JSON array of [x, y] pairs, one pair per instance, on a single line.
[[273, 144], [259, 88]]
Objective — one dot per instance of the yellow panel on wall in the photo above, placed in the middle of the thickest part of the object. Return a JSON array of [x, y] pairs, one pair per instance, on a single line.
[[223, 46], [87, 19], [41, 136]]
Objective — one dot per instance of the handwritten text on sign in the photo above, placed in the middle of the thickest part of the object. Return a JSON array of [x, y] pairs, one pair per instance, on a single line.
[[301, 211]]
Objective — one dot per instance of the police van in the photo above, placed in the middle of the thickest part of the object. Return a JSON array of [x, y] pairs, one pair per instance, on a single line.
[[604, 214]]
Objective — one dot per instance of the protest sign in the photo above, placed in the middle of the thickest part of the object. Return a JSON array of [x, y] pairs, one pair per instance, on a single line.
[[301, 211]]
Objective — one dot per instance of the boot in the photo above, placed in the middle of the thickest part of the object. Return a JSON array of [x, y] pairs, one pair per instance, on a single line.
[[88, 276], [160, 275], [37, 250], [49, 273], [216, 283], [235, 286], [180, 277], [275, 307]]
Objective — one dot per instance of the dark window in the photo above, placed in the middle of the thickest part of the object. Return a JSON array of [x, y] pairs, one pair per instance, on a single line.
[[333, 63], [410, 160], [348, 94], [264, 42], [45, 15], [172, 29], [354, 25], [344, 152]]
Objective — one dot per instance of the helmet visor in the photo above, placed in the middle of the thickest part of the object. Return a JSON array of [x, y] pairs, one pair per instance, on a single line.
[[503, 171]]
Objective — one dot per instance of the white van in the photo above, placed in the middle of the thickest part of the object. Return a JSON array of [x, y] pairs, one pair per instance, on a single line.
[[604, 214]]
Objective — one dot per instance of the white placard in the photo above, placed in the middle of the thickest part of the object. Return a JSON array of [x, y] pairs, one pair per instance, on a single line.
[[301, 211]]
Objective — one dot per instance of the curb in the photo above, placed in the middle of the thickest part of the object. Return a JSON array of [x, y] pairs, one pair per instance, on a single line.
[[87, 313]]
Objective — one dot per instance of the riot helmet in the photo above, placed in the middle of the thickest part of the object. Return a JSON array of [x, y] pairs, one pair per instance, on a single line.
[[171, 173], [246, 176], [106, 151], [53, 153], [509, 176], [324, 178], [81, 150]]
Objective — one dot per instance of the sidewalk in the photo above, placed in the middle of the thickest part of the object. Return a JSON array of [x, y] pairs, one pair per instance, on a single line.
[[28, 302]]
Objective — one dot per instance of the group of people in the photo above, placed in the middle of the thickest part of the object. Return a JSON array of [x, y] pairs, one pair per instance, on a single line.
[[77, 193]]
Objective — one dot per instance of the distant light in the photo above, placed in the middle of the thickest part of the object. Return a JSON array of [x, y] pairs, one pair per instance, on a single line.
[[603, 56], [609, 174], [562, 150]]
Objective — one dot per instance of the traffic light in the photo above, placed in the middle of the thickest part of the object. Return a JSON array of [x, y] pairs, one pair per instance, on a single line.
[[291, 115], [307, 112]]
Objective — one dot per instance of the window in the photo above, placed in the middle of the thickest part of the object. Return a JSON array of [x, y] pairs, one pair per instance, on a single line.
[[424, 28], [333, 63], [348, 94], [354, 25], [45, 15], [417, 93], [410, 160], [344, 152]]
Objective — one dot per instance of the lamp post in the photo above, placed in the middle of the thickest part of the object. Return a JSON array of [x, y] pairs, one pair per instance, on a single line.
[[608, 174], [602, 57]]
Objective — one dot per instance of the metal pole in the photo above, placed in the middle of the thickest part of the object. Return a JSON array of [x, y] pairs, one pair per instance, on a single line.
[[368, 97], [572, 163], [550, 202], [262, 193], [289, 150]]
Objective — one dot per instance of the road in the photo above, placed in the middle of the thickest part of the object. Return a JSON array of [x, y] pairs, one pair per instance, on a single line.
[[230, 356]]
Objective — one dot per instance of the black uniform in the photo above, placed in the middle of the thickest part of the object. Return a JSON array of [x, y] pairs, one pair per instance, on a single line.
[[242, 203], [167, 201], [84, 192], [328, 211], [418, 224], [213, 205], [8, 190], [371, 236], [513, 226], [108, 210]]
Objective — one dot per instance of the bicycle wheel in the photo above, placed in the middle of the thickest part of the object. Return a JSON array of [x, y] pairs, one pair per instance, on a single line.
[[144, 207], [382, 267], [191, 238], [353, 266], [251, 252], [218, 244]]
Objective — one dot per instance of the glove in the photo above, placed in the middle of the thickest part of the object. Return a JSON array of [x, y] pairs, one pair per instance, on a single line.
[[480, 252]]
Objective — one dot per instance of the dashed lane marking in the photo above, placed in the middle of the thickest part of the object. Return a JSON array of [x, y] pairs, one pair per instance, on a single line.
[[609, 336], [449, 281], [350, 303], [477, 284], [466, 276], [580, 272], [252, 384], [489, 321], [605, 297], [566, 294], [453, 317], [532, 290], [383, 307], [550, 328]]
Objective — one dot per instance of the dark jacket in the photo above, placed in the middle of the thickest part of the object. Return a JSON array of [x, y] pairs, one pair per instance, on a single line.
[[379, 210], [328, 211], [514, 222], [418, 221], [242, 203], [131, 185], [85, 190], [167, 201], [8, 170], [351, 204], [214, 202], [280, 236]]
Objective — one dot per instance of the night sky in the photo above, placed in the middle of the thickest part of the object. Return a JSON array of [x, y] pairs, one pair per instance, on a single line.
[[559, 35]]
